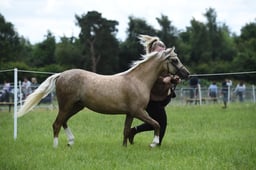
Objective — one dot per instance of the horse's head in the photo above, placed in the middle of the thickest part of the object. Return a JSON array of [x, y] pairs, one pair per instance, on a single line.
[[174, 65]]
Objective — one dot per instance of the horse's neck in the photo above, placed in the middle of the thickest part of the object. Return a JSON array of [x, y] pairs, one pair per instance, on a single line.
[[146, 73]]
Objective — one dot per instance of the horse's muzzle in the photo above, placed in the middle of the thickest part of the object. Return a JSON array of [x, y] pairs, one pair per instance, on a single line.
[[183, 73]]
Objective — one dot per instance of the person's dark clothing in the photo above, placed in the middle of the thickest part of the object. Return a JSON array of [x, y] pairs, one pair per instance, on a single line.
[[224, 91], [156, 110], [193, 87]]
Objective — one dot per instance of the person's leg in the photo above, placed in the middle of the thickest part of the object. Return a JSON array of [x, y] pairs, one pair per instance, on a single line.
[[225, 104], [163, 117], [225, 99], [192, 93], [158, 113], [163, 123], [137, 129], [152, 111], [162, 120], [142, 128], [240, 94]]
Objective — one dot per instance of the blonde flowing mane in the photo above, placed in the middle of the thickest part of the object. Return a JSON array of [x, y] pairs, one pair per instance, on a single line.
[[143, 59]]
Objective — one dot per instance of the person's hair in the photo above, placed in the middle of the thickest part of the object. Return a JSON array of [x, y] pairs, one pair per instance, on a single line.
[[150, 42]]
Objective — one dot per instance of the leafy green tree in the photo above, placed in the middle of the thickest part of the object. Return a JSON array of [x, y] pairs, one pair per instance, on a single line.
[[68, 53], [171, 36], [138, 26], [100, 46], [219, 36], [43, 53], [246, 45], [210, 46], [131, 49], [168, 33], [9, 41], [199, 42]]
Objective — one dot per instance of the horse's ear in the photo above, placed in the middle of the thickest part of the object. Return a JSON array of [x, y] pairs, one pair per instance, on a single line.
[[173, 48], [167, 53]]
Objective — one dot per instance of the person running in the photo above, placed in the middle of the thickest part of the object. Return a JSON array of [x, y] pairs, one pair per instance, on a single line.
[[160, 96]]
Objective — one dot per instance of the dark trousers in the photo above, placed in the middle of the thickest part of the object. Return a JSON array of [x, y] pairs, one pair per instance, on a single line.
[[156, 110], [5, 97]]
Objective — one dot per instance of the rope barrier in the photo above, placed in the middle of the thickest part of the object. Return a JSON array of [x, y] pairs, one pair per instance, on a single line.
[[27, 71], [192, 75], [1, 71], [222, 74], [40, 72]]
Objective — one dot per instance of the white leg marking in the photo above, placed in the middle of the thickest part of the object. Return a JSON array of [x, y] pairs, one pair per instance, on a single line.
[[55, 142], [70, 136], [155, 142]]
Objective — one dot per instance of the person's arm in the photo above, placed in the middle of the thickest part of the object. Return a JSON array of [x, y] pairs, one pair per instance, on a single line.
[[164, 79], [175, 79]]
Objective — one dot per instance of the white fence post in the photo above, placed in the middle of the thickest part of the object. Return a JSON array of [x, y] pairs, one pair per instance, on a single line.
[[20, 94], [199, 94], [15, 102], [253, 93]]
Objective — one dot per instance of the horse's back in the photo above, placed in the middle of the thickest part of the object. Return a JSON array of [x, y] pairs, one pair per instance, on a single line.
[[101, 93], [82, 78]]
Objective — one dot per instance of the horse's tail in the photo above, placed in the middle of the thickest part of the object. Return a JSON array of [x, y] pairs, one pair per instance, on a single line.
[[42, 91]]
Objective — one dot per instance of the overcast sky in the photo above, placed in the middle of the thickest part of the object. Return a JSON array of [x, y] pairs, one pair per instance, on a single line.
[[32, 18]]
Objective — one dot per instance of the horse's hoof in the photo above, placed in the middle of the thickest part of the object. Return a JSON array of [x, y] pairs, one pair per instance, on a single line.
[[71, 142], [153, 145], [55, 142], [55, 145]]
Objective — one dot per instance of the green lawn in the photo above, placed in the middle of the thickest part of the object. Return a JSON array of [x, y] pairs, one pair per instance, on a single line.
[[197, 137]]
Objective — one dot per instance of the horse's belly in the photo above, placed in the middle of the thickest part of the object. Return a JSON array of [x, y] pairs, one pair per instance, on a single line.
[[107, 107], [105, 101]]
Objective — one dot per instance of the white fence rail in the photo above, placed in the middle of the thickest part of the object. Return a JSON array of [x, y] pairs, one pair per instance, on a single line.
[[202, 95]]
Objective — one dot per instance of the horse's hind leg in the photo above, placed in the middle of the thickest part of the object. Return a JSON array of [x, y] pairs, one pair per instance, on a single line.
[[70, 136], [76, 108], [61, 120], [127, 127], [56, 128]]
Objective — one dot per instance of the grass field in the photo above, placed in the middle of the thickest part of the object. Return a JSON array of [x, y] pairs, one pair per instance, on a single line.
[[198, 137]]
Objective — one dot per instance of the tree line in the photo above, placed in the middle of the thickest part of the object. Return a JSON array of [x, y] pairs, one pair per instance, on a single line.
[[204, 48]]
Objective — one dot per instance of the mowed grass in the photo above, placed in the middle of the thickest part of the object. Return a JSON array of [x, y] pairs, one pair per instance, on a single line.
[[197, 137]]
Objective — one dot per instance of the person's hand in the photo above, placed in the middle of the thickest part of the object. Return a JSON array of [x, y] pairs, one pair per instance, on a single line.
[[175, 79], [167, 79]]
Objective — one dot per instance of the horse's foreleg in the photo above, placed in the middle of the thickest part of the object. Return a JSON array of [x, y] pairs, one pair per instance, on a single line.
[[147, 119], [127, 127], [75, 108], [155, 142]]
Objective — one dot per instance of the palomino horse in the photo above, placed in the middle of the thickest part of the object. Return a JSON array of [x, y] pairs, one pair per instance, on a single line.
[[124, 93]]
